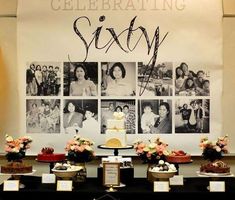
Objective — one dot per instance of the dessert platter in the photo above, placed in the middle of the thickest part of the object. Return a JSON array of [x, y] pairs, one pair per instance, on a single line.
[[66, 171], [163, 170], [47, 155], [215, 169], [179, 156]]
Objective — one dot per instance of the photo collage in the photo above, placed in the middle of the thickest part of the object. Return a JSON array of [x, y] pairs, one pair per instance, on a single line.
[[73, 97]]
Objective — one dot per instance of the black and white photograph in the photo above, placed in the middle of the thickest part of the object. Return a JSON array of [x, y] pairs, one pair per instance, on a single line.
[[43, 79], [80, 78], [81, 117], [157, 81], [108, 107], [192, 116], [154, 116], [191, 81], [118, 78], [43, 116]]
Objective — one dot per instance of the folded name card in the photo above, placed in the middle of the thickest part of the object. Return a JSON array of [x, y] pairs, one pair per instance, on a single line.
[[48, 178], [217, 186], [161, 186], [11, 185], [177, 180], [64, 186]]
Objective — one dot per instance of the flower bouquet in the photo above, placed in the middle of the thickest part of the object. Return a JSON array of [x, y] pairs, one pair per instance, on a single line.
[[80, 150], [152, 152], [16, 148], [214, 150]]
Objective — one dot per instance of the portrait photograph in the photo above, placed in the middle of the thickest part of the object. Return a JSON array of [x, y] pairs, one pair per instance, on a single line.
[[191, 80], [80, 78], [80, 117], [43, 116], [192, 116], [156, 81], [108, 107], [43, 79], [118, 78], [154, 116]]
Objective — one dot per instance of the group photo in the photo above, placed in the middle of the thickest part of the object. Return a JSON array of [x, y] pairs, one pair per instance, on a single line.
[[191, 82], [154, 116], [192, 116], [43, 116], [127, 107], [43, 79], [80, 117]]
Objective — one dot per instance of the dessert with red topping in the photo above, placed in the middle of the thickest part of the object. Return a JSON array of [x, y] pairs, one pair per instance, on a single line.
[[47, 155], [178, 156]]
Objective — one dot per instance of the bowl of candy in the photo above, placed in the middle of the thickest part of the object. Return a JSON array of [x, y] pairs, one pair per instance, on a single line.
[[163, 170], [65, 171]]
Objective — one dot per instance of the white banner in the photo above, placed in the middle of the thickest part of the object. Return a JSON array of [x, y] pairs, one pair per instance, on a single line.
[[146, 57]]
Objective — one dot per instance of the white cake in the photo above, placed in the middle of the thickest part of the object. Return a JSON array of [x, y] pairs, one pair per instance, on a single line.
[[115, 133]]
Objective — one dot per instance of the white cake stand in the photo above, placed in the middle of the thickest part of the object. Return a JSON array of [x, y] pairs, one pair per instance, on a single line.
[[116, 148], [17, 176]]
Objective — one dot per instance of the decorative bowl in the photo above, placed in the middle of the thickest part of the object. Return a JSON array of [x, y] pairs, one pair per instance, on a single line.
[[162, 174], [65, 174]]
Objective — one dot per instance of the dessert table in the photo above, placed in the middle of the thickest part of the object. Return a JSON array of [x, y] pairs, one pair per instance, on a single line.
[[139, 188]]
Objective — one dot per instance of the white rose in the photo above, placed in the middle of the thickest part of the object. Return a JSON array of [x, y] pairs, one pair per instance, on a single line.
[[72, 147], [218, 149], [152, 145], [88, 148], [161, 162], [9, 139], [167, 163]]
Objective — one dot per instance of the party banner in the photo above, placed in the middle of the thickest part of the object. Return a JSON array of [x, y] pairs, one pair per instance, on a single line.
[[157, 61]]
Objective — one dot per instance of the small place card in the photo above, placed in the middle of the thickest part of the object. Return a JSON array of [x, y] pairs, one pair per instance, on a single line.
[[217, 186], [177, 180], [48, 178], [11, 185], [161, 186], [64, 185]]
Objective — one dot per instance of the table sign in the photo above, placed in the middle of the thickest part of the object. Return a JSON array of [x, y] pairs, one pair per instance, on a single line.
[[11, 185], [111, 174], [64, 185], [48, 178], [161, 186], [177, 180], [217, 186]]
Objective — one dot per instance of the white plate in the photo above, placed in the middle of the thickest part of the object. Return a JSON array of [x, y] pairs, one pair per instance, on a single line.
[[205, 174], [30, 173]]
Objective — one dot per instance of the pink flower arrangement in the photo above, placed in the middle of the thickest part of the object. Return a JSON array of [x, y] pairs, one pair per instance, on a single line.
[[16, 148], [214, 150], [152, 152], [80, 150]]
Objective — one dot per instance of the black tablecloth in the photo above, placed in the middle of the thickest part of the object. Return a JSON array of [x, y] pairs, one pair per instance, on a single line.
[[139, 188]]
